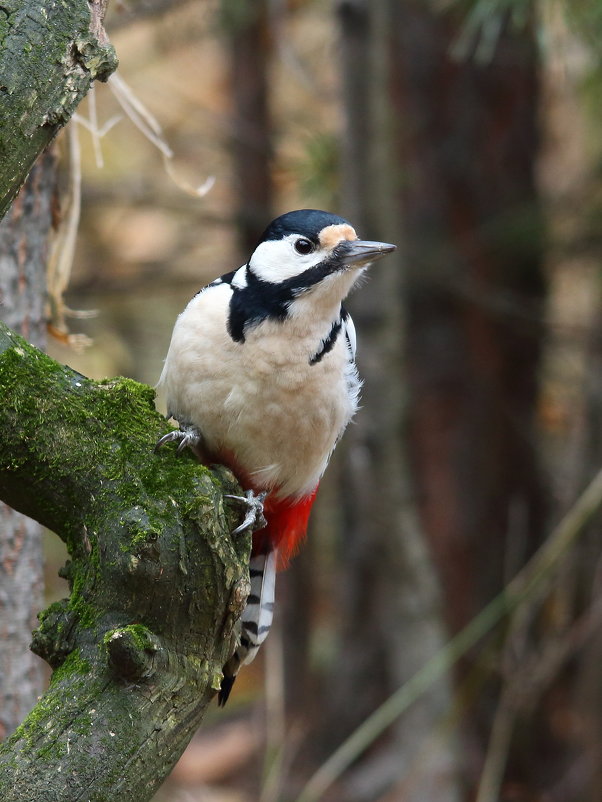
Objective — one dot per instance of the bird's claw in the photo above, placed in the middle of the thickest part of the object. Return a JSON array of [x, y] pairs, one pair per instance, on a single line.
[[185, 436], [254, 517]]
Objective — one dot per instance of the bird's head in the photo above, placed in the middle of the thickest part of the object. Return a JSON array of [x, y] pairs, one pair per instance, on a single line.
[[305, 249]]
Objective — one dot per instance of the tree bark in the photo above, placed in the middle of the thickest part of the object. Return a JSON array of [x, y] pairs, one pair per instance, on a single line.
[[50, 52], [248, 40], [474, 300], [390, 614], [24, 236], [156, 582], [475, 292]]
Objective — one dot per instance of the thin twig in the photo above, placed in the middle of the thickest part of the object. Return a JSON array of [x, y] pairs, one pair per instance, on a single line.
[[526, 584], [497, 751], [275, 744], [281, 745], [523, 689], [148, 125], [62, 251], [94, 132]]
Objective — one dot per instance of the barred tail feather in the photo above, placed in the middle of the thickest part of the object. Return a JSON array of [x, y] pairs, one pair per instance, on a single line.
[[273, 546], [256, 619]]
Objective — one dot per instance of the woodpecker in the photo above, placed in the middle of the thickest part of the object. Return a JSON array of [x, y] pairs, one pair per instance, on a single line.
[[260, 375]]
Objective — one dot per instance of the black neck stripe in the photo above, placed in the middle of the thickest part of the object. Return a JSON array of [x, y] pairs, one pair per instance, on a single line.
[[327, 344], [260, 300]]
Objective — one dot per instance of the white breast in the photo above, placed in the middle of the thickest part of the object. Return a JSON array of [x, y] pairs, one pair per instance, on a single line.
[[261, 400]]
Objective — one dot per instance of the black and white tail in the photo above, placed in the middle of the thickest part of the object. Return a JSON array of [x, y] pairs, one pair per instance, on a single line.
[[256, 619]]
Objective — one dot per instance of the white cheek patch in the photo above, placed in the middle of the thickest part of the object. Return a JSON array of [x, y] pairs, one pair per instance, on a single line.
[[240, 278], [276, 260]]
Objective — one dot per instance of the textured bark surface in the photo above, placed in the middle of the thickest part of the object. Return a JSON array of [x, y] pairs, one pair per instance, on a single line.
[[156, 582], [21, 595], [475, 293], [50, 52], [390, 613], [23, 251], [247, 34], [474, 296]]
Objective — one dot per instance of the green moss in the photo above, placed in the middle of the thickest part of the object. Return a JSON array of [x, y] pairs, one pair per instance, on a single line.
[[53, 612], [49, 57], [139, 529], [48, 712], [114, 426], [52, 640], [146, 538], [85, 612], [46, 709], [73, 665], [141, 637], [7, 18]]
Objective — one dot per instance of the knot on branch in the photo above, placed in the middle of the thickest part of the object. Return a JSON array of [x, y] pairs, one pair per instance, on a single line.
[[131, 651], [142, 536], [53, 640], [99, 60]]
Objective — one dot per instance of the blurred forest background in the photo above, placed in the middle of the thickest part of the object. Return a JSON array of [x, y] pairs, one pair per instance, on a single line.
[[467, 132]]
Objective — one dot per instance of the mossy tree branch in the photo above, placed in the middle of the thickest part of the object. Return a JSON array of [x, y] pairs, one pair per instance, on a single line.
[[156, 582], [50, 52]]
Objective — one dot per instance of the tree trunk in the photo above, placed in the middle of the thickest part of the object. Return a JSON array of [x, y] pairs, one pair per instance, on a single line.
[[50, 53], [581, 588], [474, 299], [156, 582], [390, 615], [475, 294], [247, 33], [24, 236]]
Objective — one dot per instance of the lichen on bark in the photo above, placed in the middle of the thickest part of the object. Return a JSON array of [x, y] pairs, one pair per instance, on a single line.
[[157, 583]]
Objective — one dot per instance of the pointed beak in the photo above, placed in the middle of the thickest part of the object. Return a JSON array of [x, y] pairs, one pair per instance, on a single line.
[[359, 251]]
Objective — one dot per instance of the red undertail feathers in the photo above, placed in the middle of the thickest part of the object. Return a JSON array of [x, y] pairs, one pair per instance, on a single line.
[[286, 526]]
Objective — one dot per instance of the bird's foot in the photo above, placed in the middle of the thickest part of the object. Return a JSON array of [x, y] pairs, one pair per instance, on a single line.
[[254, 517], [187, 436]]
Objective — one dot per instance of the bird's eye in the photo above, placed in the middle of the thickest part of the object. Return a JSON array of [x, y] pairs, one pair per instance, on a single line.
[[304, 246]]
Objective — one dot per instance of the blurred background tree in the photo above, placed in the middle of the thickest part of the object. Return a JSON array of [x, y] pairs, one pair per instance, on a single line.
[[464, 131], [24, 251]]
